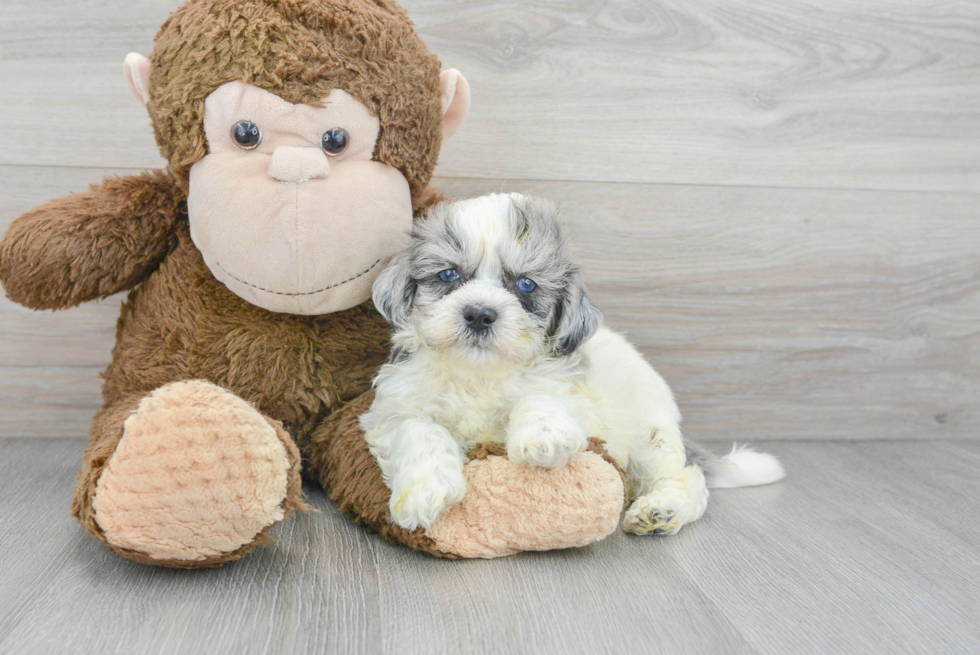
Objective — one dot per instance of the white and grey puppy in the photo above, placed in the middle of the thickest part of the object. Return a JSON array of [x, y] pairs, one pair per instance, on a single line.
[[495, 339]]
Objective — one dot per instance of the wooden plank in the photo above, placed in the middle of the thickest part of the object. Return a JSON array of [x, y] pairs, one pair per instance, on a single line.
[[774, 314], [65, 101], [856, 551], [810, 93]]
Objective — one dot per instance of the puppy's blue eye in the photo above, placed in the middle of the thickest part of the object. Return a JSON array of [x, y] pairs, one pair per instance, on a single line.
[[449, 275], [526, 285]]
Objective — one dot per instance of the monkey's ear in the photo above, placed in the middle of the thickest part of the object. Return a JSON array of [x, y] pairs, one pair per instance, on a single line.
[[136, 68], [455, 100]]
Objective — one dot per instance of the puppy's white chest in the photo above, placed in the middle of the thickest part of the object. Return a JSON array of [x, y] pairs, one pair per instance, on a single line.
[[473, 412]]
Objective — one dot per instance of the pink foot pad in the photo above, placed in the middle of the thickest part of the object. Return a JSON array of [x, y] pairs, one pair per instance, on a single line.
[[198, 473]]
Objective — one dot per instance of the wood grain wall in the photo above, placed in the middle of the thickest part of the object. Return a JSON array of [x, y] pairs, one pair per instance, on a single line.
[[780, 202]]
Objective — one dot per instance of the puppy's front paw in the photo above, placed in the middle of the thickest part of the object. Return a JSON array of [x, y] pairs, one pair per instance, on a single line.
[[546, 440], [419, 497]]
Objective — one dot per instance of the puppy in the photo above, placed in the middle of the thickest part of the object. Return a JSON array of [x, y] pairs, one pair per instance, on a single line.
[[495, 339]]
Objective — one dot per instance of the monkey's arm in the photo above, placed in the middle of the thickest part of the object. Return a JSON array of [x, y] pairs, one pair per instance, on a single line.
[[90, 245]]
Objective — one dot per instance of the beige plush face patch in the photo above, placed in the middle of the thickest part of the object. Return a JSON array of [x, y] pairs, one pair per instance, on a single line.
[[288, 208]]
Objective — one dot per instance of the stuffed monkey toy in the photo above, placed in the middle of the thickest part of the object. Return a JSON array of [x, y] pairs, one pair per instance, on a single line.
[[300, 136]]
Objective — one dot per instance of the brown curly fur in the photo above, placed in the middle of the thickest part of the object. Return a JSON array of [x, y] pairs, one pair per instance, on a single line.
[[179, 322], [90, 245]]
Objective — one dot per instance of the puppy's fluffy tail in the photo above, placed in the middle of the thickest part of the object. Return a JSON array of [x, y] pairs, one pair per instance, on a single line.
[[742, 467]]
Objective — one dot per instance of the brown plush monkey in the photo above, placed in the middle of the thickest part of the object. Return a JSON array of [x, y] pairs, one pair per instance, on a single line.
[[301, 136]]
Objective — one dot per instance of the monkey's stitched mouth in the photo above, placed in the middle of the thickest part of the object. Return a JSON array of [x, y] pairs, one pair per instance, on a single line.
[[302, 293]]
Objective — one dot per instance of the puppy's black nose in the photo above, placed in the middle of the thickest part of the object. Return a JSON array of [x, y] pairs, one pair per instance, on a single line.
[[479, 318]]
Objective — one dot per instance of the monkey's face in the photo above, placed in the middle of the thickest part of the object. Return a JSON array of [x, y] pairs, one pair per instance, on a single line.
[[288, 208]]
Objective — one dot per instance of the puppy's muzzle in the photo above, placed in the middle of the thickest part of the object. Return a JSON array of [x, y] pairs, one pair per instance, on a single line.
[[479, 319]]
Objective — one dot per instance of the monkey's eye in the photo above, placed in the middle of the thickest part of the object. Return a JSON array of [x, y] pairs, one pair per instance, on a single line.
[[334, 141], [526, 285], [246, 135], [449, 275]]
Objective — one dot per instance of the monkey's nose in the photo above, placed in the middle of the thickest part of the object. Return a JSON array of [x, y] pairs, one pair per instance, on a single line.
[[479, 319], [292, 164]]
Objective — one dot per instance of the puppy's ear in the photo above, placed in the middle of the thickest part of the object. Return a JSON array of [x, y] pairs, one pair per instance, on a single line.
[[576, 318], [394, 291]]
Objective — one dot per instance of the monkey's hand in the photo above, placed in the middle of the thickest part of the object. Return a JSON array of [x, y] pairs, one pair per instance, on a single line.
[[90, 245]]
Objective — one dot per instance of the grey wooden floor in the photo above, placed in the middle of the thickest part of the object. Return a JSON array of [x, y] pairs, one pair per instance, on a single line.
[[867, 547]]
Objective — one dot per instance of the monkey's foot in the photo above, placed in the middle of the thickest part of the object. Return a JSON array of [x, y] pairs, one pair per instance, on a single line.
[[512, 507], [199, 475]]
